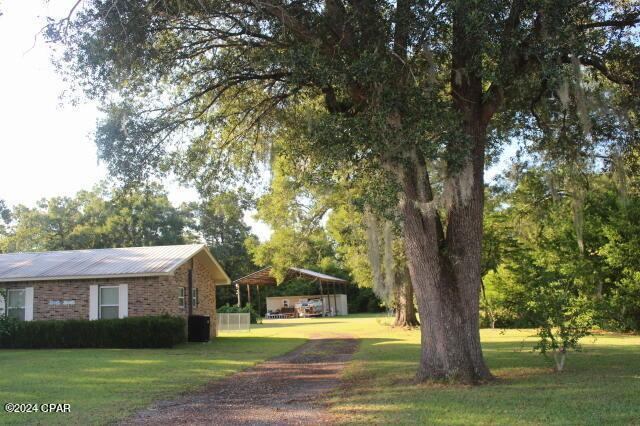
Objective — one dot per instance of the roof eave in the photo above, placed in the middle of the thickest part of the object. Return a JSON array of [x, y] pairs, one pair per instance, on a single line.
[[328, 279], [213, 259], [85, 277]]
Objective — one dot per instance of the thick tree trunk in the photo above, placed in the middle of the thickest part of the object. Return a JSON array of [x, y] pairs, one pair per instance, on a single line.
[[445, 269], [405, 309], [448, 298]]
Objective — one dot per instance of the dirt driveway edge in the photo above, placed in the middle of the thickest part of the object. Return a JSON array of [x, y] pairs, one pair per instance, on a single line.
[[291, 389]]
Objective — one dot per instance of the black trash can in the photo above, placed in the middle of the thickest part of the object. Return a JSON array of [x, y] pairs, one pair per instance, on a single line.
[[199, 328]]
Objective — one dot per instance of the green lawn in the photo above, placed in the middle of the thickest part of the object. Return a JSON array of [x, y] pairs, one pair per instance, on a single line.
[[600, 385], [107, 384]]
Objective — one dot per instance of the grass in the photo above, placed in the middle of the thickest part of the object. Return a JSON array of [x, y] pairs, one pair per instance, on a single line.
[[600, 384], [103, 385]]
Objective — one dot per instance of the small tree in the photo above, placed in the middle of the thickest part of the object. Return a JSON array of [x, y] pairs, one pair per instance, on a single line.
[[562, 318]]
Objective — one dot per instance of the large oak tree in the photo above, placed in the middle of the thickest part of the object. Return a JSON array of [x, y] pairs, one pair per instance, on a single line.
[[403, 89]]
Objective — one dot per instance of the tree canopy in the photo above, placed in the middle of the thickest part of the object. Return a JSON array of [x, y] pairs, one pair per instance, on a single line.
[[100, 218]]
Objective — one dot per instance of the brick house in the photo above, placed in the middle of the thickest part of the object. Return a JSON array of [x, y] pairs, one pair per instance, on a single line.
[[111, 283]]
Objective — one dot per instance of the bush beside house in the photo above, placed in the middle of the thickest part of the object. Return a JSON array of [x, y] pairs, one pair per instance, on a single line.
[[133, 332]]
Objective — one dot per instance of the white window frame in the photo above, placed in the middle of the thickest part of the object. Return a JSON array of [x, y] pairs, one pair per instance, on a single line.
[[24, 297], [182, 292], [100, 304], [195, 297]]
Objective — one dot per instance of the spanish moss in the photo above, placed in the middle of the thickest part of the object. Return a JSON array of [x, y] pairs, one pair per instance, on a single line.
[[373, 254]]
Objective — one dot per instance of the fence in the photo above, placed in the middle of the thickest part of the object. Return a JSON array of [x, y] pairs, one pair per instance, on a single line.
[[234, 322]]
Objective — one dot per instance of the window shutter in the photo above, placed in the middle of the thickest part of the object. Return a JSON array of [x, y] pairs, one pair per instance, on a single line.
[[123, 301], [28, 304], [3, 303], [93, 302]]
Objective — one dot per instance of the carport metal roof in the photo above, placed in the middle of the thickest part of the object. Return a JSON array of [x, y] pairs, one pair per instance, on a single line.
[[263, 277]]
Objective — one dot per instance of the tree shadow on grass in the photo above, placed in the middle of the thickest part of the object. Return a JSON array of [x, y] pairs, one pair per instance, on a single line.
[[291, 323]]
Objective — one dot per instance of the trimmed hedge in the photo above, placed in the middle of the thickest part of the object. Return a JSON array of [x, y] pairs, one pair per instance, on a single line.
[[133, 332]]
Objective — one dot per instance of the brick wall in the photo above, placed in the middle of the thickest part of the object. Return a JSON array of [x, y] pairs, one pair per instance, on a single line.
[[147, 295], [44, 291], [202, 280]]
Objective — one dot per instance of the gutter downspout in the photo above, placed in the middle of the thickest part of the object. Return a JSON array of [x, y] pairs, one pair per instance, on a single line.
[[190, 284]]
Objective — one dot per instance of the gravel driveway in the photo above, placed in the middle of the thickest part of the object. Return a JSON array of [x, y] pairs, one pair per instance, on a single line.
[[287, 390]]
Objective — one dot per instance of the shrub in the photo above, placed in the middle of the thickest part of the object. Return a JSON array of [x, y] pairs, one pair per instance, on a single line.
[[7, 326], [232, 309], [562, 319], [134, 332]]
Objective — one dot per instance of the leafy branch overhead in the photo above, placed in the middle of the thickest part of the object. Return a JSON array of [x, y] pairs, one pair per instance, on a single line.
[[222, 70]]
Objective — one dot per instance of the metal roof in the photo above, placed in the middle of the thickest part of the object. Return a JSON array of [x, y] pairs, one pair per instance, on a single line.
[[263, 277], [318, 275], [98, 263]]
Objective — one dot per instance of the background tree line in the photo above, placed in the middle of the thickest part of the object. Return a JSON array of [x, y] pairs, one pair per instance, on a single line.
[[105, 217], [109, 217], [531, 237]]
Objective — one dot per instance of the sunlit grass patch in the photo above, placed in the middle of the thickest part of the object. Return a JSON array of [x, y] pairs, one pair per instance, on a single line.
[[103, 385], [601, 384], [598, 387]]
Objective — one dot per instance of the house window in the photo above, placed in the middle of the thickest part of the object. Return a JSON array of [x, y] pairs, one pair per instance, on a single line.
[[194, 297], [108, 302], [285, 303], [16, 304], [181, 292]]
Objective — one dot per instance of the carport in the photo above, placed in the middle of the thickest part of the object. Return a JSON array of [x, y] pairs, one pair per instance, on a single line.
[[328, 285]]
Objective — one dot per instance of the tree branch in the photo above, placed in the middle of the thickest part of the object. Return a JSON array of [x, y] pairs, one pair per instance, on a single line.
[[624, 21], [494, 96], [601, 66], [277, 10]]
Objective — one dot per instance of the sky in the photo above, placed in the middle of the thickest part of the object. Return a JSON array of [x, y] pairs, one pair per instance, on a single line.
[[46, 144]]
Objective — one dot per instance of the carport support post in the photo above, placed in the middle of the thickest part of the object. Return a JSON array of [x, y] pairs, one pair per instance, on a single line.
[[238, 293], [249, 295], [329, 298], [335, 298], [259, 301], [321, 297]]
